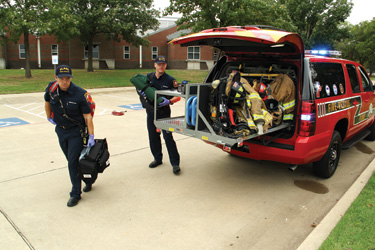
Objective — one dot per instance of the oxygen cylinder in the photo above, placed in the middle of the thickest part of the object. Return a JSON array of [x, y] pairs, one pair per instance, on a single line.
[[140, 82]]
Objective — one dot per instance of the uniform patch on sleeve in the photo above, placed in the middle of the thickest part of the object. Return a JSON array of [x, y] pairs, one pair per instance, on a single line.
[[86, 95], [175, 83]]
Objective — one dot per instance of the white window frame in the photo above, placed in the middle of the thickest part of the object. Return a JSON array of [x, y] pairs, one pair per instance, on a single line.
[[154, 52], [126, 53], [216, 55], [95, 52], [54, 52], [22, 51], [193, 53]]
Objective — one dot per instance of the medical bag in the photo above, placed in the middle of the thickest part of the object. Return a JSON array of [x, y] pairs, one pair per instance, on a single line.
[[93, 160]]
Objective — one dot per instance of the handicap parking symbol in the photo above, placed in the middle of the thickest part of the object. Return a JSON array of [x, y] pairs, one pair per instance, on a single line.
[[136, 106], [7, 122]]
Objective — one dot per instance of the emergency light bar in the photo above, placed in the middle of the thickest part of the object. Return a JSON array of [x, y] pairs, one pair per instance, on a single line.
[[323, 52]]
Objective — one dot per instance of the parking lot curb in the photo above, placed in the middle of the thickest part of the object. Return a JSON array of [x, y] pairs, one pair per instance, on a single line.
[[329, 222]]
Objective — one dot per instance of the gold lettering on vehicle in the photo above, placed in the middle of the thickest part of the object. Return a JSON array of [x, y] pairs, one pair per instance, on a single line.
[[329, 108], [336, 106]]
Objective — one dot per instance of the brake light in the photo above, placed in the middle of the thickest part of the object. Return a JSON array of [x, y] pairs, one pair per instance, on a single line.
[[308, 119]]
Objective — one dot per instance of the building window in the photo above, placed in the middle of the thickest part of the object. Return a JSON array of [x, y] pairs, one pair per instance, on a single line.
[[54, 50], [95, 52], [22, 51], [126, 52], [194, 53], [154, 52], [216, 55]]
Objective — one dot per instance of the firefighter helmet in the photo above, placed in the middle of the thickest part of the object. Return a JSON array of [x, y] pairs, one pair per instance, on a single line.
[[271, 105], [237, 92]]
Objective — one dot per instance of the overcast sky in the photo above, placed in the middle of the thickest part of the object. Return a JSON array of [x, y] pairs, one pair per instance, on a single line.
[[362, 10]]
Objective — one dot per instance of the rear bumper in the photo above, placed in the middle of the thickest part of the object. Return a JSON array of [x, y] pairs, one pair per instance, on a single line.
[[305, 150]]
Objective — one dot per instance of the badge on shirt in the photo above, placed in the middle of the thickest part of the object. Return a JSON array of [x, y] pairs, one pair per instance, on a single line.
[[175, 83]]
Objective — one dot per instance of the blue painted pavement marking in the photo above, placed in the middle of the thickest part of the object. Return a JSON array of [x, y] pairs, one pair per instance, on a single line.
[[7, 122], [137, 106]]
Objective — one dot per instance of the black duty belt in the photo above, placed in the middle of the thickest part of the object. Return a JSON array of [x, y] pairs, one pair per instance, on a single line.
[[67, 127]]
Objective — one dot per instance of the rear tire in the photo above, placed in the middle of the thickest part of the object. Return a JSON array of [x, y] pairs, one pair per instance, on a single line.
[[327, 166], [371, 136]]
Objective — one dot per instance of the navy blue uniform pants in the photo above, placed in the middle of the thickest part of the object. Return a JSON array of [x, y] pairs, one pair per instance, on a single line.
[[155, 141], [71, 144]]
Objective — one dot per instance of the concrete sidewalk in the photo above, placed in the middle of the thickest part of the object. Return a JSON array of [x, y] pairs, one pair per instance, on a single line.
[[218, 202], [325, 227]]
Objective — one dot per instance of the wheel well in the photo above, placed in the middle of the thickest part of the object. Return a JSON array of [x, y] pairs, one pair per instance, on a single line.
[[342, 127]]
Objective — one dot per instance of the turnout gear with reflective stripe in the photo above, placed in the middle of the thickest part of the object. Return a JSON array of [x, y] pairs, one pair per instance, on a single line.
[[283, 90], [253, 102]]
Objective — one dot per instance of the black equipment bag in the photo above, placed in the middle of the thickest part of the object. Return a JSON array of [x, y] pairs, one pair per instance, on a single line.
[[94, 162], [88, 171]]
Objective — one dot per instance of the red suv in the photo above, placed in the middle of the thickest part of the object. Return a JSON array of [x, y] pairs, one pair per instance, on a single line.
[[332, 106]]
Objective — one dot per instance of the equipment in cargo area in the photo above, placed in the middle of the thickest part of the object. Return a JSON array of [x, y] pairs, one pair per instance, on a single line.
[[236, 108], [283, 90]]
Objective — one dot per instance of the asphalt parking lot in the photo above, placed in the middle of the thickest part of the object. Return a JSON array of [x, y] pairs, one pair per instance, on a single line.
[[217, 202]]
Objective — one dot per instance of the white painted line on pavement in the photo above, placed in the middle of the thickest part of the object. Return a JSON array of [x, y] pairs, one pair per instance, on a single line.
[[35, 108], [25, 111]]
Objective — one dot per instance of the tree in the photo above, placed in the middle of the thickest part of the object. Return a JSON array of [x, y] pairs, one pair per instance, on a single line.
[[318, 22], [205, 14], [23, 18], [360, 46], [86, 19], [365, 43]]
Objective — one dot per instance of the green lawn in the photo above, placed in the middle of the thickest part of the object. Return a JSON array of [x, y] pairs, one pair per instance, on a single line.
[[13, 81], [356, 229]]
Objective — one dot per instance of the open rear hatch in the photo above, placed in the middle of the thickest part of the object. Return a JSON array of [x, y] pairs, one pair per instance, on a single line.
[[239, 44], [236, 41]]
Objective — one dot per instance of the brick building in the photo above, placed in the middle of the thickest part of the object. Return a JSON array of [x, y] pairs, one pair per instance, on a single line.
[[108, 54]]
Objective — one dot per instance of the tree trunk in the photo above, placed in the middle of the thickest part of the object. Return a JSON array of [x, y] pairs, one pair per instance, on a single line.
[[27, 54], [89, 60]]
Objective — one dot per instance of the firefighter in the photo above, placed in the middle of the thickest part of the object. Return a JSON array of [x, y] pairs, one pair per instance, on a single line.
[[161, 80], [69, 110]]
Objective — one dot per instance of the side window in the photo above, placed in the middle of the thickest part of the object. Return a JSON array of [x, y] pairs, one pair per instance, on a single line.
[[22, 52], [366, 82], [353, 77], [194, 53], [95, 52], [126, 52], [216, 55], [154, 53], [328, 79]]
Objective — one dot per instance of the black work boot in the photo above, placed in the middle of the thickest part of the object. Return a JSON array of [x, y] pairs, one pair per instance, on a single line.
[[154, 164]]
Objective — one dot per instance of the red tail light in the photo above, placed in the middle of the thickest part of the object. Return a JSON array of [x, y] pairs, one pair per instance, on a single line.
[[308, 119]]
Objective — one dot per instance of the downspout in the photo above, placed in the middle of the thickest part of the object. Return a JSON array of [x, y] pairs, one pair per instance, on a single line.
[[38, 48], [140, 56]]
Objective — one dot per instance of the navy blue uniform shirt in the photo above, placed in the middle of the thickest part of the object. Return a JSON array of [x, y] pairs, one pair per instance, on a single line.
[[74, 102], [165, 81]]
